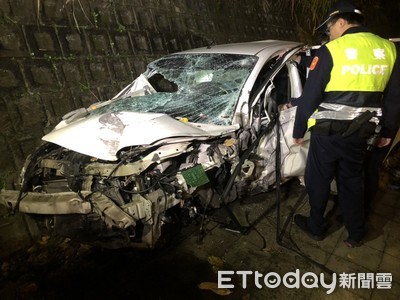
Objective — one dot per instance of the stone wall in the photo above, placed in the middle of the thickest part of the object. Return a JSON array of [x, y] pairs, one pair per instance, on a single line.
[[58, 55]]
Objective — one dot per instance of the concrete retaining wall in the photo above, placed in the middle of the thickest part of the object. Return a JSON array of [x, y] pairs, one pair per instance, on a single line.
[[58, 55]]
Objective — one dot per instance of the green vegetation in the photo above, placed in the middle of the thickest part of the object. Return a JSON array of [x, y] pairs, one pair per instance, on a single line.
[[307, 14], [5, 20], [3, 180], [121, 28], [95, 16]]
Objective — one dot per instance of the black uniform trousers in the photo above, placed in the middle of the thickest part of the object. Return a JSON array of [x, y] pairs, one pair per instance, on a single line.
[[372, 166], [329, 157]]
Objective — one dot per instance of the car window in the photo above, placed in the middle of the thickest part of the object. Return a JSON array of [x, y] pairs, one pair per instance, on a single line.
[[288, 82], [276, 84]]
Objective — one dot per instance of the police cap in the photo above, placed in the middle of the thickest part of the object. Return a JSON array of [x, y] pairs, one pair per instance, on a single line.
[[340, 7]]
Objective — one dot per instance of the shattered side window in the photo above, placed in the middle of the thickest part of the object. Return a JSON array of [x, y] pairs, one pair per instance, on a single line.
[[203, 88]]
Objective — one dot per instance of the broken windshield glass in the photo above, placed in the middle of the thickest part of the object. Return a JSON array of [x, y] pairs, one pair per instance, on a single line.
[[201, 88]]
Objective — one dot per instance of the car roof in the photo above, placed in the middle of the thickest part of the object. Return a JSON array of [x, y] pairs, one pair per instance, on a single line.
[[247, 48]]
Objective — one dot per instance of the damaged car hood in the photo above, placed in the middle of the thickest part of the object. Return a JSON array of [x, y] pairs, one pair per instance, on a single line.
[[102, 136]]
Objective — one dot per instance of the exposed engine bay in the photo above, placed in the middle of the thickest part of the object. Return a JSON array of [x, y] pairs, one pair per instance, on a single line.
[[129, 201]]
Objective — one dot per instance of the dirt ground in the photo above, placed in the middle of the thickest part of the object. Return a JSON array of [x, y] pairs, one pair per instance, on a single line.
[[185, 268], [58, 268]]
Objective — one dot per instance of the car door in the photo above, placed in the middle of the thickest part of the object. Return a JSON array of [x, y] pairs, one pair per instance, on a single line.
[[283, 83]]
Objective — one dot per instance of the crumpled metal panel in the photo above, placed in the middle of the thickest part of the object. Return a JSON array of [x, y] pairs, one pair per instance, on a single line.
[[293, 157], [47, 203], [114, 216], [102, 136]]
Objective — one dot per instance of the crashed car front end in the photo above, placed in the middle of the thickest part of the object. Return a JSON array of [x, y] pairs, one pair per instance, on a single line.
[[113, 174], [124, 203], [179, 140]]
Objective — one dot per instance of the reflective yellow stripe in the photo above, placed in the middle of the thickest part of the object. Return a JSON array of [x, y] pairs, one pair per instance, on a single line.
[[311, 122]]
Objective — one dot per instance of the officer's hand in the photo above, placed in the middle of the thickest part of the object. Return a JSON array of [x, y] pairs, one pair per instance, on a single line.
[[299, 142], [382, 142]]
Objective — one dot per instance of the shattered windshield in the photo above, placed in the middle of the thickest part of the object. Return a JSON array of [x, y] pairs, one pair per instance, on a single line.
[[201, 88]]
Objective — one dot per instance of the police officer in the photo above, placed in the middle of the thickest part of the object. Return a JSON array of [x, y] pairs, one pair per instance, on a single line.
[[352, 85]]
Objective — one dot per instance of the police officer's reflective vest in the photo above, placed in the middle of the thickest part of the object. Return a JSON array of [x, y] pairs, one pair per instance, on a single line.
[[362, 65]]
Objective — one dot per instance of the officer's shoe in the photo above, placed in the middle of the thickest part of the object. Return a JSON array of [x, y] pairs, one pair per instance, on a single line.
[[301, 222]]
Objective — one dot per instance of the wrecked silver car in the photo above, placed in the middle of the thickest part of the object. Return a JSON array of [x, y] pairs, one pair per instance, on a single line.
[[195, 131]]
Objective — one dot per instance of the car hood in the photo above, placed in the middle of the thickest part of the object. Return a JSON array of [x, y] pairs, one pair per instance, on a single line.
[[102, 136]]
